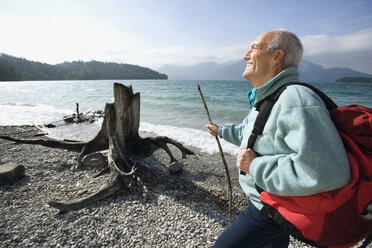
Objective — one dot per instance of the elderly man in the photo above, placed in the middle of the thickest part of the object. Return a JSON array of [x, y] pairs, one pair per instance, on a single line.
[[299, 153]]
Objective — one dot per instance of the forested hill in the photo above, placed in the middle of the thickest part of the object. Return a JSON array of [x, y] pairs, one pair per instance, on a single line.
[[13, 69], [354, 80]]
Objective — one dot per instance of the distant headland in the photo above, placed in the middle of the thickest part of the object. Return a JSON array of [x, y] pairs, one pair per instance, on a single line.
[[19, 69], [354, 80]]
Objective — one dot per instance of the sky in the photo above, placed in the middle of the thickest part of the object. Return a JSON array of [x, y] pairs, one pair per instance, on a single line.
[[152, 33]]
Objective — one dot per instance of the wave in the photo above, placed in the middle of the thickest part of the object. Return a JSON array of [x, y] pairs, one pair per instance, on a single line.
[[190, 137], [187, 136], [26, 113], [81, 132]]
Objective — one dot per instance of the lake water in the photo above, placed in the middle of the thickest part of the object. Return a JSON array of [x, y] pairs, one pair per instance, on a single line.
[[168, 107]]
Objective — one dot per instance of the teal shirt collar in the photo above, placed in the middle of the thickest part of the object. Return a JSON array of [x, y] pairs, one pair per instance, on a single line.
[[252, 93], [288, 75], [252, 96]]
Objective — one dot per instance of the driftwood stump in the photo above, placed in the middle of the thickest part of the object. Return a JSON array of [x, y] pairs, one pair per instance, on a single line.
[[118, 134]]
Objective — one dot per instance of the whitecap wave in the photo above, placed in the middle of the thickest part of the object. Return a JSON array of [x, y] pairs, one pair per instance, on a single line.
[[27, 114], [75, 131], [191, 137], [187, 136]]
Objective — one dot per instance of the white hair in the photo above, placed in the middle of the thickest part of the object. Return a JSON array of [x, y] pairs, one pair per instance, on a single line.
[[290, 44]]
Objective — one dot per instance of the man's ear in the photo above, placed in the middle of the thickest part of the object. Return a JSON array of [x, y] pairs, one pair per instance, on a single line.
[[278, 57]]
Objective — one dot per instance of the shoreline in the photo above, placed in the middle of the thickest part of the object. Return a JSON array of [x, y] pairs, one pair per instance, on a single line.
[[183, 210], [188, 209]]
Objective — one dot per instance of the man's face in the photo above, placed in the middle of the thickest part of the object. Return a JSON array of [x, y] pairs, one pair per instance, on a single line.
[[258, 69]]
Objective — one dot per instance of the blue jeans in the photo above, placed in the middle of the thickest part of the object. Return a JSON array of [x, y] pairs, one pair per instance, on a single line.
[[250, 230]]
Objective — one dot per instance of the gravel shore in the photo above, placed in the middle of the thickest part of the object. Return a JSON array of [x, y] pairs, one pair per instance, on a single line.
[[188, 209]]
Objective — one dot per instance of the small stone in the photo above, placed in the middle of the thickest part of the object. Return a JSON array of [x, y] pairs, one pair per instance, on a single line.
[[82, 192], [175, 167]]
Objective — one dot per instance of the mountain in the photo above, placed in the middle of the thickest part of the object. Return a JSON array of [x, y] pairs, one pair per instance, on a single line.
[[309, 72], [13, 69], [199, 71], [354, 80]]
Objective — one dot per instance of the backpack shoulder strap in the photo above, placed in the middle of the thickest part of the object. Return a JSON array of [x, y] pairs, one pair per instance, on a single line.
[[327, 101], [264, 109], [265, 105]]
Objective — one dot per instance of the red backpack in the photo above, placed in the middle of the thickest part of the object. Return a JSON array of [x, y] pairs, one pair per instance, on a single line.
[[337, 218]]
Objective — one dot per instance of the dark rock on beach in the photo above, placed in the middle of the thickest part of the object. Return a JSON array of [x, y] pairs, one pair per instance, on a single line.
[[10, 173]]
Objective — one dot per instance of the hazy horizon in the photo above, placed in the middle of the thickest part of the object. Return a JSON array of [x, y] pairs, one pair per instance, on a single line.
[[152, 33]]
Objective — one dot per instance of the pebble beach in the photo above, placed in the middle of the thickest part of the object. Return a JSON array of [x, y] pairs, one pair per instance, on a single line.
[[178, 210], [187, 209]]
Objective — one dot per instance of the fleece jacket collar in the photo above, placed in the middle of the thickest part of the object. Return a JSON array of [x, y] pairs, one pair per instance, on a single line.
[[288, 75]]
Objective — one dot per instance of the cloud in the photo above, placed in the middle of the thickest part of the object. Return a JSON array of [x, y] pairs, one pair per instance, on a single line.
[[321, 44], [352, 50], [107, 31], [185, 55]]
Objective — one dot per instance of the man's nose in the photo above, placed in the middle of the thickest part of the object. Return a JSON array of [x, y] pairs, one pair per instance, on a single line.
[[247, 56]]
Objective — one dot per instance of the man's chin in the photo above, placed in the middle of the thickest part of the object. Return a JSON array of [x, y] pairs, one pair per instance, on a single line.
[[246, 75]]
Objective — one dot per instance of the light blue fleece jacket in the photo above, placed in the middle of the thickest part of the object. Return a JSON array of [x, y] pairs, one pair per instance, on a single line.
[[300, 150]]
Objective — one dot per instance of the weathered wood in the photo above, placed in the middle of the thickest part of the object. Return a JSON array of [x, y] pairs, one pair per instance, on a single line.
[[118, 134], [40, 129], [95, 159], [77, 111], [106, 191], [74, 146]]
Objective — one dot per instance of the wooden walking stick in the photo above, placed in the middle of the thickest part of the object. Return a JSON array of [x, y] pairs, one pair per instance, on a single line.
[[221, 152]]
